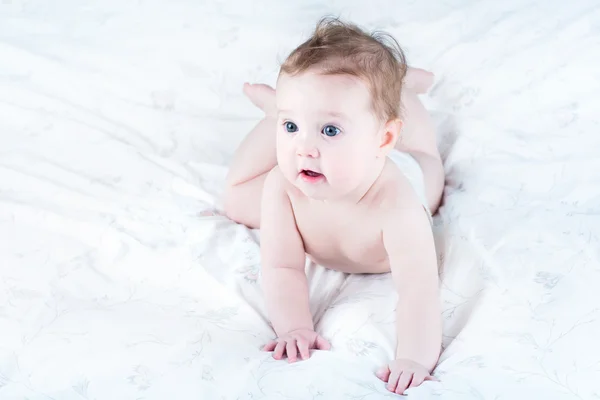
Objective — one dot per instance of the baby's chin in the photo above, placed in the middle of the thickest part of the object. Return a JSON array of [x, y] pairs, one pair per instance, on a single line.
[[323, 192], [318, 191], [318, 196], [311, 192]]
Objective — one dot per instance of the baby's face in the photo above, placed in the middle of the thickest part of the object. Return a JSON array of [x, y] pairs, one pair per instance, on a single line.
[[327, 133]]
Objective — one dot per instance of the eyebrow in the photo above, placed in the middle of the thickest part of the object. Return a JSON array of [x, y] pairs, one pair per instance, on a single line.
[[334, 114]]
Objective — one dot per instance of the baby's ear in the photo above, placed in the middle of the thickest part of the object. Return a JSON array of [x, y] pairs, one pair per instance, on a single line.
[[391, 133]]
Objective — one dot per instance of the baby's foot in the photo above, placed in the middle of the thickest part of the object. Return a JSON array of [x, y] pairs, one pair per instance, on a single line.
[[418, 80], [262, 96]]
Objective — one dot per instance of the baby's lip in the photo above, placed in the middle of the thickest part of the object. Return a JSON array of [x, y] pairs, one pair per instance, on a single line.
[[311, 176], [310, 172]]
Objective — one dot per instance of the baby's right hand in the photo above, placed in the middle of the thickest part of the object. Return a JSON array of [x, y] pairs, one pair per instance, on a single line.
[[294, 342]]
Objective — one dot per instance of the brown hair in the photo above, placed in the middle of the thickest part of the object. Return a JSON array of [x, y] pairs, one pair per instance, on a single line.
[[339, 48]]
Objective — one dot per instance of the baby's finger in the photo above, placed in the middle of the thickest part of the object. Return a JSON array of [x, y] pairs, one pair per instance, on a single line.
[[431, 378], [393, 380], [279, 349], [291, 350], [417, 379], [303, 349], [270, 346], [322, 343], [403, 382], [383, 373]]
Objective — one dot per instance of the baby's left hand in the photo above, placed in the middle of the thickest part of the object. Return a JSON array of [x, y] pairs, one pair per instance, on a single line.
[[403, 374]]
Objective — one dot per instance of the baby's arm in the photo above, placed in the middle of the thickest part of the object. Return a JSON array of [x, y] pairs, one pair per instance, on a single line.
[[283, 276], [408, 240]]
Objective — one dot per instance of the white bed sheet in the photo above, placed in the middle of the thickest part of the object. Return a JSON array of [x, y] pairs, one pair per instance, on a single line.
[[120, 280]]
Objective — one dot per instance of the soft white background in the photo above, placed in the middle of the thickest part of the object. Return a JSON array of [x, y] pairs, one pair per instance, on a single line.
[[120, 280]]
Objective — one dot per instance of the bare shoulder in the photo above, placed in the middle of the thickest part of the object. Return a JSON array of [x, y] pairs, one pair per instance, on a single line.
[[276, 181], [275, 177], [406, 229], [403, 220], [394, 195]]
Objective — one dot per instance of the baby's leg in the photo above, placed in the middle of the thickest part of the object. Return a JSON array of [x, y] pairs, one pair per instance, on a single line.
[[418, 80], [255, 157], [418, 138]]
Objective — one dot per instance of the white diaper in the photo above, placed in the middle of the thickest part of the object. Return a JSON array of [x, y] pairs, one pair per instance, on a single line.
[[412, 170]]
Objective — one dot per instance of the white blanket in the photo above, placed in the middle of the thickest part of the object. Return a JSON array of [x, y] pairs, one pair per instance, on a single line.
[[121, 280]]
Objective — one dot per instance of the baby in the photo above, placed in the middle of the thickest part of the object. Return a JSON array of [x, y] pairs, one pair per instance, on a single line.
[[340, 171]]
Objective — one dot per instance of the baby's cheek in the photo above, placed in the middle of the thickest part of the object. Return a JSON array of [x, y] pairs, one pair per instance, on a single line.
[[287, 162], [346, 171]]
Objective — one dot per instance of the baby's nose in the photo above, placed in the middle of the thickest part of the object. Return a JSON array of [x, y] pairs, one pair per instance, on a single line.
[[307, 148], [307, 151]]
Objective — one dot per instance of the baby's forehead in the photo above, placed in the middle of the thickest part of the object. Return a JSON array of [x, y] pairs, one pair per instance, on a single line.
[[343, 93], [314, 79]]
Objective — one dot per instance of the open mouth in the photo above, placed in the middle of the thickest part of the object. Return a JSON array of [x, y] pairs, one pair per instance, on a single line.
[[310, 176], [310, 173]]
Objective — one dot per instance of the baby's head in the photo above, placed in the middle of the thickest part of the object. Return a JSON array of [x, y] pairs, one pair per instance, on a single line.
[[338, 101]]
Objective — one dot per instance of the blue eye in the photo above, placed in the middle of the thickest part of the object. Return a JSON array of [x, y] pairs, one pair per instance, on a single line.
[[290, 127], [331, 130]]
